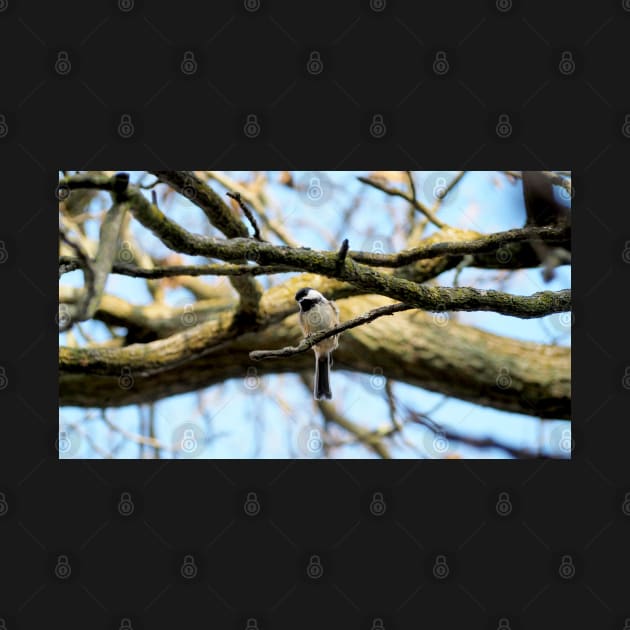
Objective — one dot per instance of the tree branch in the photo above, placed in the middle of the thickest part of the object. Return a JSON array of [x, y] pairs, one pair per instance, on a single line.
[[416, 203], [456, 360], [482, 245], [247, 212], [311, 340], [361, 276], [221, 217], [68, 263]]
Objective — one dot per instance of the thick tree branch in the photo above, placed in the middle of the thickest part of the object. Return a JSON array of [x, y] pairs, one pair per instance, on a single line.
[[68, 263], [481, 245], [221, 217], [361, 276], [455, 360]]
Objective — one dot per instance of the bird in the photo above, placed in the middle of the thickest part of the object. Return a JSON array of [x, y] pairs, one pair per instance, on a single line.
[[318, 314]]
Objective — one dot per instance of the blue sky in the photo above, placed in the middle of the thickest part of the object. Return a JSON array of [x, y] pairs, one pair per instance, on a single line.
[[243, 417]]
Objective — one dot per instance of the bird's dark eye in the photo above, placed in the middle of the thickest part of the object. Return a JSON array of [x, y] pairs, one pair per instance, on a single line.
[[302, 293]]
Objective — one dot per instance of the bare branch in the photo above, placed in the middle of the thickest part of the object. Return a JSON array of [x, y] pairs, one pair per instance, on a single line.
[[482, 245], [96, 271], [311, 340], [67, 263], [247, 212], [416, 203], [257, 203], [219, 215]]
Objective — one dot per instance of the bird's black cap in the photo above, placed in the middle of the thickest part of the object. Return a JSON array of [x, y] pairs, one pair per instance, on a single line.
[[302, 293]]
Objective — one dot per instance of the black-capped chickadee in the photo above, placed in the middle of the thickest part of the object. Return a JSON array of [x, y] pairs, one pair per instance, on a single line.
[[318, 314]]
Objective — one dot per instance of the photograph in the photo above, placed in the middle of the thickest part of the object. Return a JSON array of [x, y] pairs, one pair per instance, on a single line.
[[329, 314]]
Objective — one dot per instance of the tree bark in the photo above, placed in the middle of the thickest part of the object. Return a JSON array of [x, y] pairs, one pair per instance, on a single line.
[[412, 347]]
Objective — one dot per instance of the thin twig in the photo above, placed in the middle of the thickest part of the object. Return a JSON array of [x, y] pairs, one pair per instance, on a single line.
[[416, 203], [331, 414], [475, 442], [311, 340], [247, 212]]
